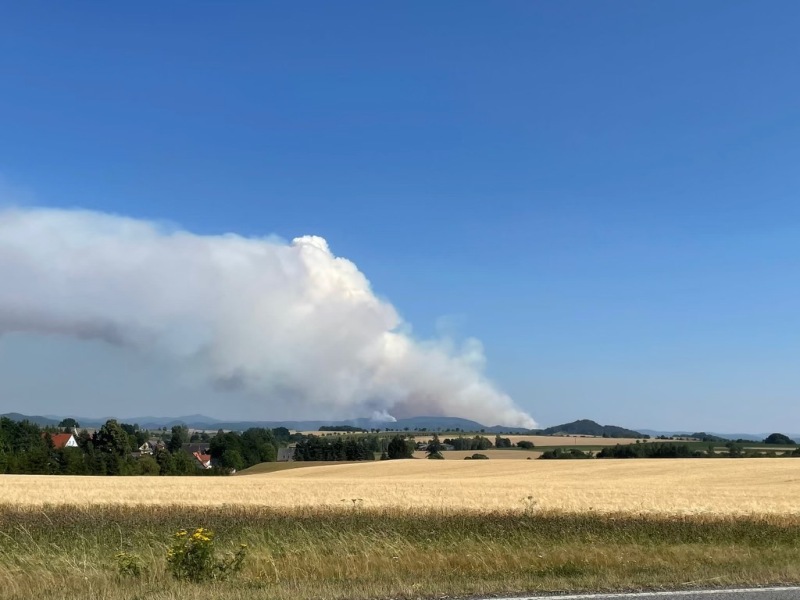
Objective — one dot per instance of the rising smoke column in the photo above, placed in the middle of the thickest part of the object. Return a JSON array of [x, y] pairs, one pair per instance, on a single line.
[[287, 322]]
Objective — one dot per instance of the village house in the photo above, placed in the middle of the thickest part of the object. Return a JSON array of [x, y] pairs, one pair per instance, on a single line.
[[203, 460], [63, 440], [285, 454], [201, 447], [151, 446]]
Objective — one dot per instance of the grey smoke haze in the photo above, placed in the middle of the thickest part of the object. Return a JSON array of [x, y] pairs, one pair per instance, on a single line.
[[290, 323]]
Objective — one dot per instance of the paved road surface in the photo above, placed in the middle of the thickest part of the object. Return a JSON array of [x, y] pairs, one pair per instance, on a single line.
[[784, 593]]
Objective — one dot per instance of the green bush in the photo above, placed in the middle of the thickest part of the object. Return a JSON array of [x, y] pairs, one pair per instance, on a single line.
[[191, 557], [128, 565], [400, 447], [560, 454], [501, 442], [476, 443]]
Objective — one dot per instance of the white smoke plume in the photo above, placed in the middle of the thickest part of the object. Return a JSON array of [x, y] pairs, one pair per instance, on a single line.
[[289, 323]]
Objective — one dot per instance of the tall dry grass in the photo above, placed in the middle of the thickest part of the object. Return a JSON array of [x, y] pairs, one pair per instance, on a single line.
[[355, 553]]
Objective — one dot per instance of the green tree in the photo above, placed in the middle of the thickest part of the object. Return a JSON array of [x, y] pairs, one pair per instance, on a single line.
[[84, 440], [734, 450], [112, 439], [400, 447], [779, 438], [69, 424], [166, 462], [231, 460], [136, 436], [434, 449], [184, 463], [179, 437], [147, 465], [258, 445], [72, 461]]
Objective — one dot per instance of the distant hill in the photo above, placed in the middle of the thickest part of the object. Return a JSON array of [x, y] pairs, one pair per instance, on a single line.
[[754, 437], [156, 422], [580, 427], [589, 427], [39, 420], [412, 423], [445, 424], [203, 422], [708, 437]]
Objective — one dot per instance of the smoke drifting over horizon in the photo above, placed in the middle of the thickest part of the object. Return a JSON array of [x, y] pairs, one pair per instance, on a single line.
[[289, 323]]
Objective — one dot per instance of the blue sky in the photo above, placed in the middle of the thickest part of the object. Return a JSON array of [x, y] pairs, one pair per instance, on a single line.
[[605, 194]]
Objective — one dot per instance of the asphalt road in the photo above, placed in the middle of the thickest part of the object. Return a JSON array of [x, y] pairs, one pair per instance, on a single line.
[[783, 593]]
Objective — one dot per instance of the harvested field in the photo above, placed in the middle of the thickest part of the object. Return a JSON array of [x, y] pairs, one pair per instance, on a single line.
[[274, 467], [689, 486], [506, 454]]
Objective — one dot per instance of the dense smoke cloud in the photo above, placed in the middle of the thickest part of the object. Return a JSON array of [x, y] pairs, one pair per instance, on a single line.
[[290, 323]]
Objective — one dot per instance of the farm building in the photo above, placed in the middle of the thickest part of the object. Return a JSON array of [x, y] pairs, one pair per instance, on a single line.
[[285, 454], [151, 445], [201, 447]]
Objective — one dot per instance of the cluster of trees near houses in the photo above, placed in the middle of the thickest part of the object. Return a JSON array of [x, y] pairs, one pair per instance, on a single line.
[[125, 449], [27, 448], [338, 448], [115, 449], [353, 448], [233, 451]]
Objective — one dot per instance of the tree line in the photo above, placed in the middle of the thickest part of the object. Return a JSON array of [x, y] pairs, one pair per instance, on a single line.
[[234, 451], [27, 448], [664, 450], [341, 448]]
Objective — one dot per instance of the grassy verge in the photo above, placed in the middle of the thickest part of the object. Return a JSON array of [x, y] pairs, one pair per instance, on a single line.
[[68, 552]]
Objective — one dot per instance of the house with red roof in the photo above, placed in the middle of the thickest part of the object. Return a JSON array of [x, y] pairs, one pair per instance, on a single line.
[[203, 460], [63, 440]]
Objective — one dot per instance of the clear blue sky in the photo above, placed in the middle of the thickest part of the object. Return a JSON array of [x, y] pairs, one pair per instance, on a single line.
[[604, 193]]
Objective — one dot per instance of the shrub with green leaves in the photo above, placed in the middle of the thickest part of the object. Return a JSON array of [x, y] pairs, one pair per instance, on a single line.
[[128, 565], [192, 558]]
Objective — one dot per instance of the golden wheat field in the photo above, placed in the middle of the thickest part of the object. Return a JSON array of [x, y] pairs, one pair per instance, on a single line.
[[697, 486]]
